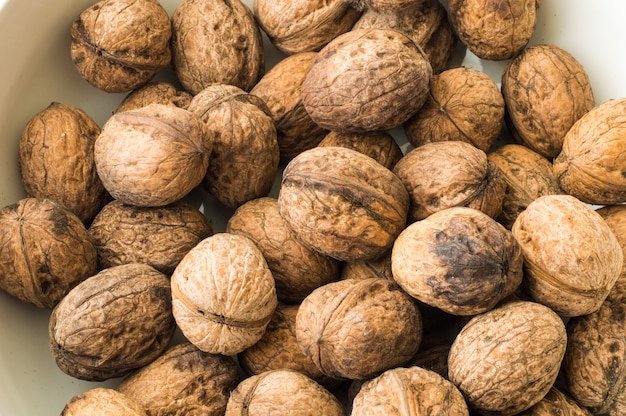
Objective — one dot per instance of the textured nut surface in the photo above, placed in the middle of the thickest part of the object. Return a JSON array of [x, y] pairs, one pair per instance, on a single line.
[[615, 217], [506, 360], [102, 401], [556, 402], [155, 92], [223, 294], [379, 145], [572, 258], [112, 323], [45, 250], [380, 267]]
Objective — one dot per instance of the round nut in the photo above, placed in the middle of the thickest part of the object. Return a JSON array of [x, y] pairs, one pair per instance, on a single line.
[[379, 145], [103, 401], [554, 403], [615, 217], [156, 92]]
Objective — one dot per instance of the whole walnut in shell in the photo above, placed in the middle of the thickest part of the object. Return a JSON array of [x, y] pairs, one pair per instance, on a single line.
[[156, 92], [56, 159], [223, 294], [119, 45], [615, 217], [152, 156], [572, 258], [183, 380], [366, 80], [112, 323], [379, 145], [216, 41], [592, 162], [379, 267], [506, 360], [45, 250], [556, 402], [546, 90], [102, 401]]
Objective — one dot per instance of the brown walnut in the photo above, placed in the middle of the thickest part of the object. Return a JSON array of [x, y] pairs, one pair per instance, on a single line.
[[102, 401], [379, 145], [156, 92], [556, 402], [615, 217]]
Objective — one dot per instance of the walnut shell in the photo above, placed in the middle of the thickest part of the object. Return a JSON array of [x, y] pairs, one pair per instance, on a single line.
[[494, 30], [183, 380], [158, 236], [384, 5], [304, 25], [506, 360], [434, 358], [152, 156], [112, 323], [223, 294], [102, 401], [413, 390], [615, 217], [556, 402], [56, 159], [45, 250], [366, 80], [572, 259], [342, 203], [442, 175], [591, 165], [282, 392], [245, 157], [156, 92], [216, 42], [357, 328], [546, 90], [119, 45], [379, 145], [379, 267], [464, 104]]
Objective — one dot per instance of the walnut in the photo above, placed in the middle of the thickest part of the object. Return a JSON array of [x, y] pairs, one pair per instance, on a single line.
[[433, 358], [156, 92], [464, 104], [297, 269], [158, 236], [591, 165], [119, 45], [556, 402], [223, 294], [282, 392], [546, 90], [183, 380], [506, 360], [45, 250], [342, 203], [102, 401], [379, 145], [528, 176], [56, 159], [152, 156], [357, 328], [304, 25], [589, 255], [112, 323], [391, 392], [615, 217], [442, 175], [384, 5], [216, 42], [366, 80], [245, 157], [494, 30], [379, 267]]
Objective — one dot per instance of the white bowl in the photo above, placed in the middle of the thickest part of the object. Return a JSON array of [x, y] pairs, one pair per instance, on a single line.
[[36, 69]]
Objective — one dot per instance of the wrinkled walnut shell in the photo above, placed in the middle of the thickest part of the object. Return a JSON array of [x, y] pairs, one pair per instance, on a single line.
[[556, 402], [615, 217], [102, 401], [156, 92], [379, 145]]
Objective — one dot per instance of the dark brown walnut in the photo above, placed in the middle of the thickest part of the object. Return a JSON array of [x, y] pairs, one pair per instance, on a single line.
[[156, 92], [158, 236], [464, 104], [442, 175], [592, 163], [56, 159], [296, 268], [216, 41], [223, 294], [572, 258], [45, 250], [357, 328], [506, 360], [119, 45], [528, 176], [286, 392], [112, 323], [366, 80], [384, 5], [413, 390], [245, 157], [556, 402], [595, 360], [102, 401], [183, 381], [467, 264], [494, 29], [342, 203], [425, 22], [379, 145], [280, 90], [546, 90], [615, 217], [434, 358], [303, 25], [152, 156]]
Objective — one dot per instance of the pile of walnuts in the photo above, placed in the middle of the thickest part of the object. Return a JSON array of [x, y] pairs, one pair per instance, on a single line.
[[356, 273]]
